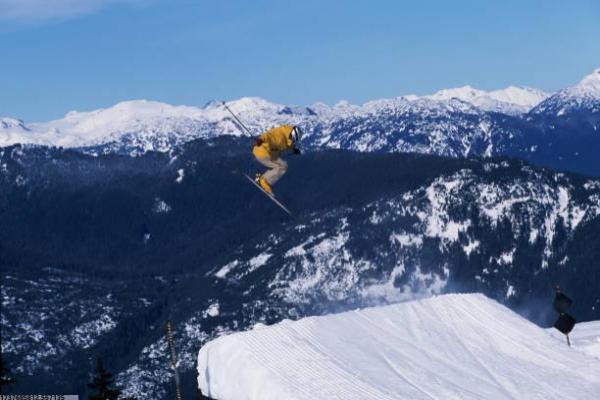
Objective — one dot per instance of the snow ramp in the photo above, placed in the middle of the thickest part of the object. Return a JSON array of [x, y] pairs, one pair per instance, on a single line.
[[457, 346]]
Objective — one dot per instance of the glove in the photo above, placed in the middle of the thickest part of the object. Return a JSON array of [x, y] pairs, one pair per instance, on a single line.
[[297, 151], [258, 142]]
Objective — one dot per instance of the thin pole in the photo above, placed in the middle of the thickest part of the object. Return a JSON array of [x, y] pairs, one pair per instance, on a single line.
[[238, 120], [173, 359], [568, 340]]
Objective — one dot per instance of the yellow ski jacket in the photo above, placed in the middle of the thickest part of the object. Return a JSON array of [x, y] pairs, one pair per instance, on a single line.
[[274, 141]]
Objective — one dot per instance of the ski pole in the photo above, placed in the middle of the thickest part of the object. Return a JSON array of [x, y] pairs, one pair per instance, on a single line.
[[237, 119]]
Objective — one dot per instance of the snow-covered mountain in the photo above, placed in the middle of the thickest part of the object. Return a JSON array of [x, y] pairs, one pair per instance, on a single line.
[[583, 97], [13, 131], [142, 125], [187, 239], [460, 122], [377, 228], [453, 346], [512, 100], [404, 124], [468, 226], [467, 216]]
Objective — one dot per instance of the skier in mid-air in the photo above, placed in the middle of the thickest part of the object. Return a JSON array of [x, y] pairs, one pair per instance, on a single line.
[[268, 148]]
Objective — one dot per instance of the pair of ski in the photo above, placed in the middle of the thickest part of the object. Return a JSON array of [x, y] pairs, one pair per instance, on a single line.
[[270, 196]]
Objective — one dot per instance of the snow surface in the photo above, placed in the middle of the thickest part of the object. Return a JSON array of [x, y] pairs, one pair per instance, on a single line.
[[588, 86], [99, 126], [585, 337], [583, 95], [149, 124], [445, 347], [512, 100], [152, 125]]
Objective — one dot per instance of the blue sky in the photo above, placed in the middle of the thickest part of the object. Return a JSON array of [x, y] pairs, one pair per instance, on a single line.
[[62, 55]]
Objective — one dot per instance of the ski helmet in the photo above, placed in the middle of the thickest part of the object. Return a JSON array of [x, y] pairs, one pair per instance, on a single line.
[[296, 134]]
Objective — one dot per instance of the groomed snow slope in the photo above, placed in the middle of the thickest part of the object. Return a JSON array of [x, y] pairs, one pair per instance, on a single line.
[[446, 347], [585, 338]]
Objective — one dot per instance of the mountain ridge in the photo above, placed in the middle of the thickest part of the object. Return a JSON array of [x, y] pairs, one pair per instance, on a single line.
[[182, 236], [80, 124], [560, 131], [584, 95]]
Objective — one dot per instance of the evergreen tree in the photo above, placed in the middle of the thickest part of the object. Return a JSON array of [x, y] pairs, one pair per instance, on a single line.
[[101, 384], [5, 378]]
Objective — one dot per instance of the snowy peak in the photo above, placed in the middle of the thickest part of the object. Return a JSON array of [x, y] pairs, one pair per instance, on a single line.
[[465, 93], [150, 122], [145, 125], [137, 126], [11, 123], [253, 108], [512, 100], [592, 80], [583, 97], [123, 115], [588, 86], [247, 105], [257, 114], [13, 131], [521, 96]]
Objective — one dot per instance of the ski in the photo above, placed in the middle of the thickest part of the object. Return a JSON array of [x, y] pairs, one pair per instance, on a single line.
[[270, 196]]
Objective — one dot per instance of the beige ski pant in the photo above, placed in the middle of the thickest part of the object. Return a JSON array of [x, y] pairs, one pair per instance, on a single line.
[[277, 167]]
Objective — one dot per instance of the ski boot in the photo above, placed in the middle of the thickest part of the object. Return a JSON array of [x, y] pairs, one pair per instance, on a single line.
[[264, 184]]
